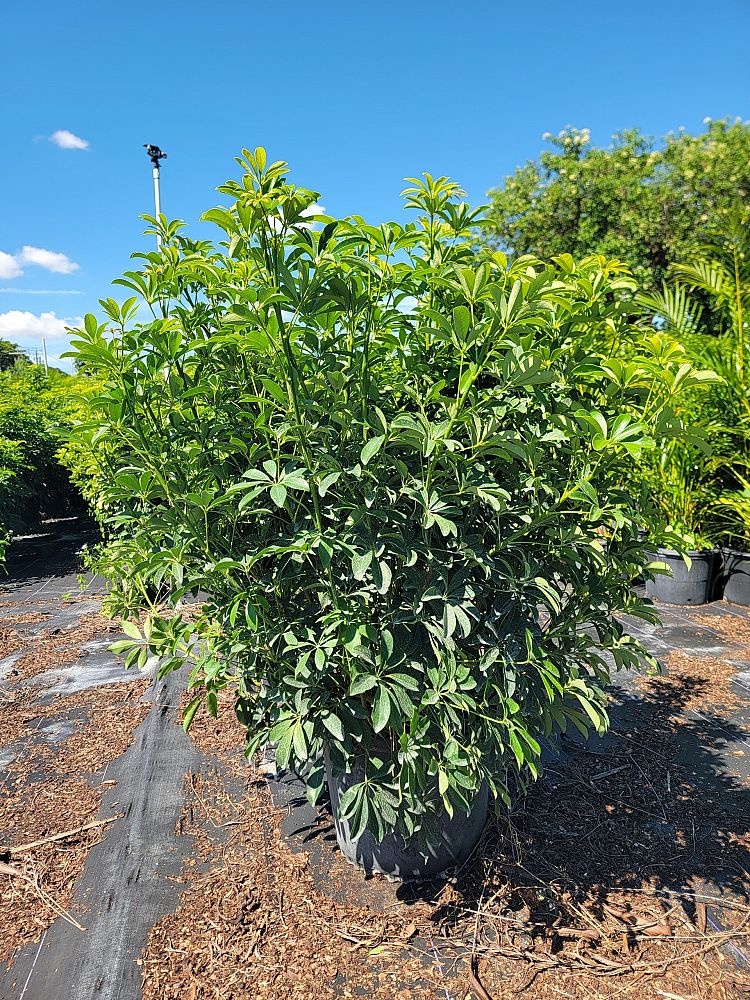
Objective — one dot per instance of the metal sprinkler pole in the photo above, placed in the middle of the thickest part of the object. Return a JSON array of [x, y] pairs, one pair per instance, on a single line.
[[155, 154]]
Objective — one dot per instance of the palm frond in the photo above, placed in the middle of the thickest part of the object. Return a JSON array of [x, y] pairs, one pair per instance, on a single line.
[[673, 307], [709, 275]]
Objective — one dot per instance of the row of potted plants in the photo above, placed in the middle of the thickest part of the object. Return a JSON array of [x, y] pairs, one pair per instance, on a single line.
[[700, 575], [699, 483]]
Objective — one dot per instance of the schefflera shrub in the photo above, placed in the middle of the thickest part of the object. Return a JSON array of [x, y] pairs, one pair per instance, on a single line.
[[388, 459]]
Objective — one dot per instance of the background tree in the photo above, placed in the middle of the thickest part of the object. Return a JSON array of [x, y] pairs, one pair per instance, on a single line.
[[647, 203], [10, 354]]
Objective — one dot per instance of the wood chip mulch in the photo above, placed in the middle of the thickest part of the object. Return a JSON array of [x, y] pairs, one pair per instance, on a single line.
[[53, 786], [11, 640], [731, 627], [52, 649], [619, 875], [700, 680]]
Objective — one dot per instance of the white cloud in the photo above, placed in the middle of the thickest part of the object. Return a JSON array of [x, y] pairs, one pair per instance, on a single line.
[[12, 265], [48, 259], [18, 325], [68, 140], [9, 267], [40, 291], [27, 330]]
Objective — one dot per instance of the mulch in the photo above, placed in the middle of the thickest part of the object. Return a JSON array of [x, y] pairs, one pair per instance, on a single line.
[[697, 680], [619, 875], [731, 627], [251, 922], [55, 787], [622, 873], [54, 648]]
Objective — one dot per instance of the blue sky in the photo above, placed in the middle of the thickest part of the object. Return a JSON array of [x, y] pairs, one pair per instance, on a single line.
[[355, 96]]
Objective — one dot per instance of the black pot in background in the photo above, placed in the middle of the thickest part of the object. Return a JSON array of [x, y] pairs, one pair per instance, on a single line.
[[735, 576], [684, 586]]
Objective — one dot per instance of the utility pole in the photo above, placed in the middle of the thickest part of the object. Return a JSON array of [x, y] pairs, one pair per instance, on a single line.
[[44, 352], [155, 154]]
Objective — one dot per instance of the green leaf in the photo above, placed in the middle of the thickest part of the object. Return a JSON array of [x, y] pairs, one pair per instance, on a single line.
[[284, 748], [443, 781], [295, 481], [363, 683], [333, 725], [385, 577], [130, 628], [299, 742], [381, 711], [461, 321], [361, 563], [121, 646], [371, 448], [190, 709], [327, 482], [278, 494], [405, 681], [325, 548]]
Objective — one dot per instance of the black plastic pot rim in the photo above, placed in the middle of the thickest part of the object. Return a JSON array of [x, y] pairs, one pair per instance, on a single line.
[[726, 550], [692, 553]]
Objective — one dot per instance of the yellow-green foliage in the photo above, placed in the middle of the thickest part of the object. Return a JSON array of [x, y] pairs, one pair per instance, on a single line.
[[35, 409]]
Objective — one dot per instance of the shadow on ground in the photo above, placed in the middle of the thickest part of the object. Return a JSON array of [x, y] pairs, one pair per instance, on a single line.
[[651, 804], [36, 563]]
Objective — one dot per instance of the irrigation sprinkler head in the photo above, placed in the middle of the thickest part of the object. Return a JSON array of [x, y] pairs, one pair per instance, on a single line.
[[154, 153]]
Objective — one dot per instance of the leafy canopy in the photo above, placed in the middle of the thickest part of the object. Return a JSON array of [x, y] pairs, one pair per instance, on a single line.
[[10, 355], [387, 460], [644, 203], [34, 407]]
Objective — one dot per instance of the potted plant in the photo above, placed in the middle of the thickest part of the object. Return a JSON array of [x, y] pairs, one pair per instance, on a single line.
[[733, 509], [678, 488], [379, 451], [682, 570], [684, 574]]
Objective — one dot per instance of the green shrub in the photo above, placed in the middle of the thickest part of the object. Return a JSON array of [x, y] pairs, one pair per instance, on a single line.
[[34, 407], [388, 460]]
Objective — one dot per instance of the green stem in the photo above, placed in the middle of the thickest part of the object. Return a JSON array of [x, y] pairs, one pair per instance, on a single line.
[[739, 318]]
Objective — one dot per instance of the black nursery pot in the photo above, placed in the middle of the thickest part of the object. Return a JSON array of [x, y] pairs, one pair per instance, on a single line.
[[449, 844], [684, 586], [735, 576]]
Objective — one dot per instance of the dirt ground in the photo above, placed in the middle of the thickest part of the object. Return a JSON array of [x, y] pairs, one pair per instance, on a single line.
[[52, 786], [139, 863]]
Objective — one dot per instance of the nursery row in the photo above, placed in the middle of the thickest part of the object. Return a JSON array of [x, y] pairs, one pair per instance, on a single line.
[[35, 407]]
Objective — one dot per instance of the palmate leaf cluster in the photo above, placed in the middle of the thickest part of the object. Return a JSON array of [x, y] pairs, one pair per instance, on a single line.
[[390, 464]]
